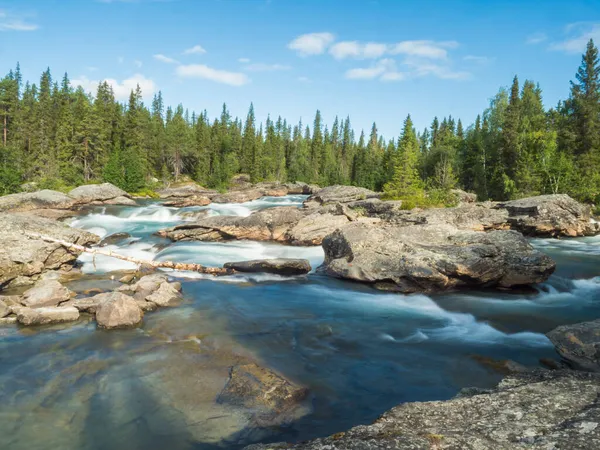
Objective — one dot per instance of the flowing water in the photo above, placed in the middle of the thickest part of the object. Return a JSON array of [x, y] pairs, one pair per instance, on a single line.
[[358, 351]]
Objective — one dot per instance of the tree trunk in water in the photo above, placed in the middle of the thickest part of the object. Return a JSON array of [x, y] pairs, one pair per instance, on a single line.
[[158, 264]]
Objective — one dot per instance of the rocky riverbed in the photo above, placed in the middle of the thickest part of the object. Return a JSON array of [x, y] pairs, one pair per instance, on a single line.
[[285, 348]]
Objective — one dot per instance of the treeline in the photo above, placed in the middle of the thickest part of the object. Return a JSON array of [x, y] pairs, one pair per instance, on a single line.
[[60, 136]]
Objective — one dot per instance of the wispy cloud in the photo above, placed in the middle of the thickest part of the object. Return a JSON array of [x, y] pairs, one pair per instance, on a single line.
[[195, 50], [121, 89], [312, 43], [536, 38], [384, 70], [165, 59], [208, 73], [260, 67], [579, 35], [412, 67], [13, 22], [481, 60], [355, 49], [424, 48]]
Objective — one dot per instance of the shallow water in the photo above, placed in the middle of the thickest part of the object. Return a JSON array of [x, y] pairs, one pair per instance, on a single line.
[[359, 351]]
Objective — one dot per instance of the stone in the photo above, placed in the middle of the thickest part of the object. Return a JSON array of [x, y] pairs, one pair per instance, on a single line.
[[311, 229], [154, 288], [280, 266], [118, 311], [184, 190], [463, 196], [165, 295], [44, 199], [238, 196], [88, 304], [10, 320], [24, 256], [537, 410], [259, 389], [4, 309], [193, 200], [300, 188], [113, 239], [46, 315], [97, 192], [53, 214], [426, 258], [46, 293], [550, 215], [120, 200], [342, 194], [578, 344]]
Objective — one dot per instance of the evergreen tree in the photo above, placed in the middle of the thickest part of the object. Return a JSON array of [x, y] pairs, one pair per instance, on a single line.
[[406, 182]]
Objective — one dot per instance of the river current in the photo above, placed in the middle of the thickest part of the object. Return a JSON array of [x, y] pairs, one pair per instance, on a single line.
[[357, 350]]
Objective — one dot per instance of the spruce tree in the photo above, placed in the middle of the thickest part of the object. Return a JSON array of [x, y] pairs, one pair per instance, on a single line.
[[406, 182]]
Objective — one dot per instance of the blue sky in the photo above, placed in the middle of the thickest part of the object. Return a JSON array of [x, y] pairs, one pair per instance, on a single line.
[[375, 60]]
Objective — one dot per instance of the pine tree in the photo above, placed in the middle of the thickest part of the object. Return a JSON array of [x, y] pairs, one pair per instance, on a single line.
[[406, 182]]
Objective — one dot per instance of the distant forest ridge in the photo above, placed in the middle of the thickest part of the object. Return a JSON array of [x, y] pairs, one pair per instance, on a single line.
[[60, 137]]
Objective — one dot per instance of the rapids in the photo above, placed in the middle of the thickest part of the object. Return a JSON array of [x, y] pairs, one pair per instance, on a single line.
[[359, 351]]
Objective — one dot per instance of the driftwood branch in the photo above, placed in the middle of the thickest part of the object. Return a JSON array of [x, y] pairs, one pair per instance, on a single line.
[[158, 264]]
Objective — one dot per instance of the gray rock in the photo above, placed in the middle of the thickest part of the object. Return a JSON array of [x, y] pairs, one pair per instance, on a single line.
[[550, 215], [120, 200], [46, 293], [44, 199], [238, 196], [154, 288], [165, 295], [423, 258], [280, 266], [87, 304], [342, 194], [10, 320], [97, 192], [464, 197], [4, 309], [579, 344], [114, 239], [183, 191], [540, 410], [312, 229], [300, 188], [47, 315], [193, 200], [118, 311], [23, 256]]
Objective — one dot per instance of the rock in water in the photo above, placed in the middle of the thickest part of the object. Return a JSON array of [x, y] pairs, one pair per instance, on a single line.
[[44, 199], [238, 196], [23, 256], [579, 344], [46, 293], [280, 266], [154, 289], [550, 215], [424, 258], [270, 396], [47, 315], [342, 194], [118, 311], [97, 192], [539, 410], [185, 190], [114, 238]]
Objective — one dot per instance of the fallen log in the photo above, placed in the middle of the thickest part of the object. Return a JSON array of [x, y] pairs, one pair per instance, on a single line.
[[158, 264]]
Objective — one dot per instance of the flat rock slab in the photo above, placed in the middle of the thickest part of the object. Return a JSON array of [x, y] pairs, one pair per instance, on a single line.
[[46, 293], [578, 344], [97, 192], [46, 316], [280, 266], [44, 199], [540, 410], [342, 194]]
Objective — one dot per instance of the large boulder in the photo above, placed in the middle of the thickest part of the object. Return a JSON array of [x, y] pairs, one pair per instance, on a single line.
[[550, 215], [44, 199], [193, 200], [22, 255], [46, 315], [537, 410], [154, 289], [312, 229], [238, 196], [342, 194], [97, 193], [423, 258], [579, 344], [300, 188], [280, 266], [118, 310], [184, 191], [46, 293]]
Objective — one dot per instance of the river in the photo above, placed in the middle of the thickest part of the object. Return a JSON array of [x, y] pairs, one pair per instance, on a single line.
[[358, 351]]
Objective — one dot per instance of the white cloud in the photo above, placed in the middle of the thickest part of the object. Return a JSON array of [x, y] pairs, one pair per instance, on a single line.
[[216, 75], [121, 89], [165, 59], [414, 67], [424, 49], [421, 68], [195, 50], [138, 63], [384, 69], [10, 22], [536, 38], [355, 49], [311, 43], [581, 33], [260, 67], [244, 60]]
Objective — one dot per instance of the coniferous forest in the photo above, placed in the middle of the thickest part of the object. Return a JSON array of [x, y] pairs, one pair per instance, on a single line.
[[60, 136]]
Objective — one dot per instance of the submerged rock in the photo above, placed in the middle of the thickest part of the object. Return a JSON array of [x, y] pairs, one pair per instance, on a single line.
[[550, 215], [541, 410], [44, 199], [46, 293], [269, 395], [578, 344], [97, 192], [46, 315], [280, 266], [118, 310], [114, 239], [424, 258], [24, 256]]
